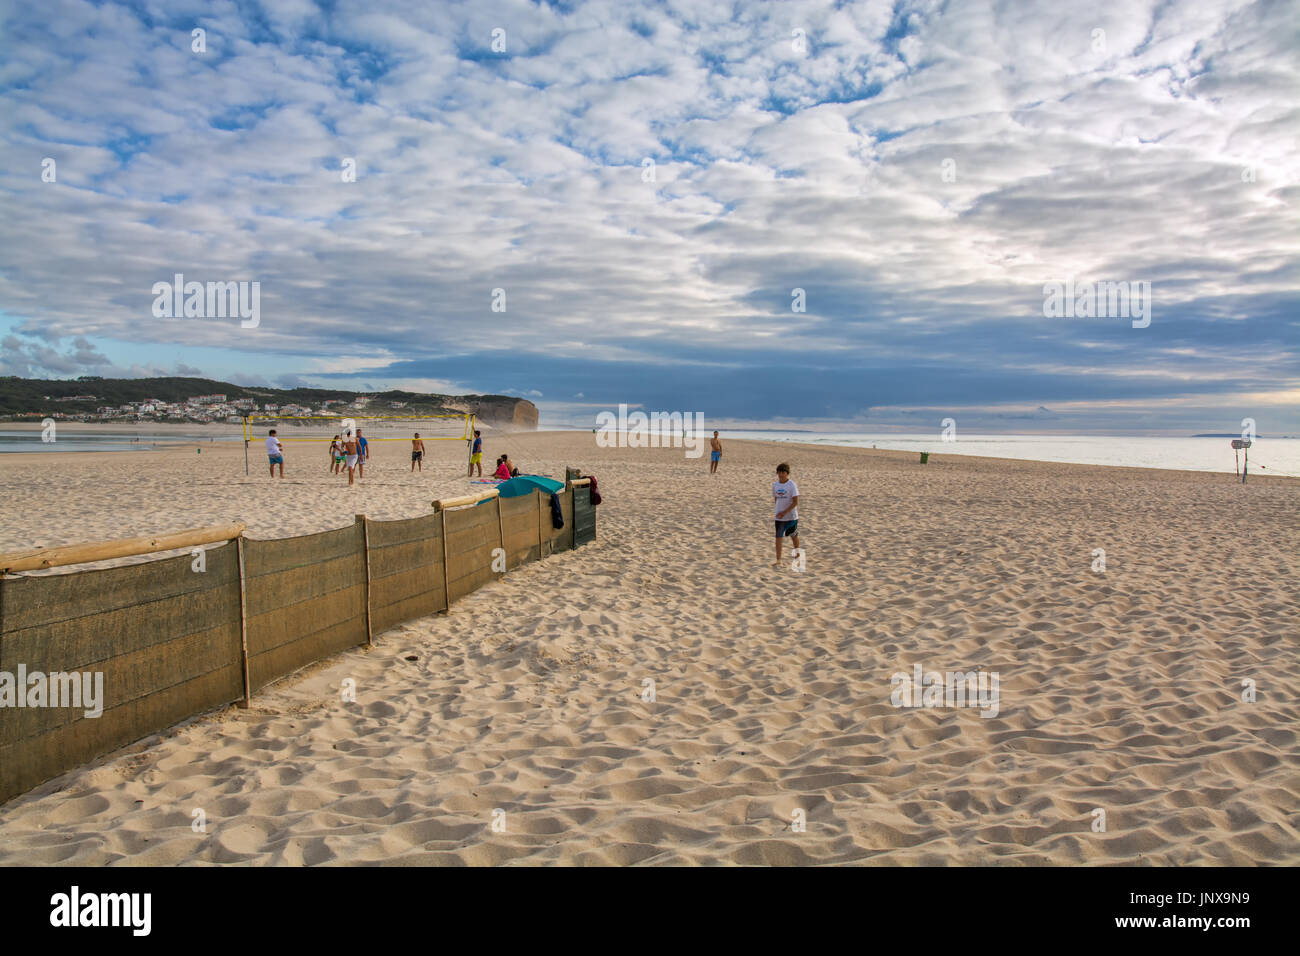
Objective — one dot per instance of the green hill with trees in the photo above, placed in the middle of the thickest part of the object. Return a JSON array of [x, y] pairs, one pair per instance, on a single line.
[[28, 398]]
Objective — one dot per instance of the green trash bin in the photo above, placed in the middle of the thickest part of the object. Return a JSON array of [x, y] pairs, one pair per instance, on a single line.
[[925, 457]]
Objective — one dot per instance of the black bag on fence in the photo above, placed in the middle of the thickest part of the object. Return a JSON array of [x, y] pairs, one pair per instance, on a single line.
[[557, 513]]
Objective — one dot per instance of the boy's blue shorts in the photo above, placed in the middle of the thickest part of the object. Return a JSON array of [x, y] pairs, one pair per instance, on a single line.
[[715, 456], [786, 529], [277, 459]]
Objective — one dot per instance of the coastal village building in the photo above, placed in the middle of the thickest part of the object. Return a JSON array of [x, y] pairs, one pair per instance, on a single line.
[[216, 407]]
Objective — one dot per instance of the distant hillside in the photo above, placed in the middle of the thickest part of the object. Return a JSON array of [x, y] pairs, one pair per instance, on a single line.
[[28, 397]]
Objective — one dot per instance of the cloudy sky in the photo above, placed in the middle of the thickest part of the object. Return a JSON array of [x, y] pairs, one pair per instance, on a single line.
[[649, 183]]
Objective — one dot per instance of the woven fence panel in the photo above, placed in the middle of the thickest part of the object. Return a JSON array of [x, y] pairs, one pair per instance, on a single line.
[[405, 570], [306, 600], [559, 539], [519, 519], [164, 636], [584, 516], [472, 534], [160, 638]]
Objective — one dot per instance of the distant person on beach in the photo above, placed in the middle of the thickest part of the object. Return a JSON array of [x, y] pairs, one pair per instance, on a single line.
[[350, 454], [274, 452], [785, 493], [503, 470], [336, 455], [417, 452], [715, 456], [363, 454], [476, 454]]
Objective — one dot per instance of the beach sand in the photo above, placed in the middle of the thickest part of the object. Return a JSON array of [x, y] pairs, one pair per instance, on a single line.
[[1119, 691]]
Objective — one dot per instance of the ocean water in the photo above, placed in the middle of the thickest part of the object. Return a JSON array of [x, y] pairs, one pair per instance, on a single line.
[[1268, 456], [69, 439]]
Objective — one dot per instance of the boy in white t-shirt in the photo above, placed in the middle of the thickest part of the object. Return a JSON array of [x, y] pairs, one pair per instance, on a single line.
[[274, 452], [785, 493]]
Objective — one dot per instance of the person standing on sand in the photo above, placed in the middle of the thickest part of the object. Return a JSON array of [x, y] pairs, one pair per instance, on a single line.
[[350, 456], [715, 456], [417, 452], [363, 454], [274, 452], [476, 454], [786, 495], [336, 455]]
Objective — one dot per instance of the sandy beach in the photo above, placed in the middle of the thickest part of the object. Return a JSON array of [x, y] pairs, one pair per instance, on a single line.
[[771, 738]]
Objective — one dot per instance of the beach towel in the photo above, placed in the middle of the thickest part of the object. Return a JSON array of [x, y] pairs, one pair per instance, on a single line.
[[557, 513], [527, 484], [595, 494]]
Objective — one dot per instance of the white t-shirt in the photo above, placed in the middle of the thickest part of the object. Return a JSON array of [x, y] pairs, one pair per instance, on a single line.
[[784, 491], [272, 445]]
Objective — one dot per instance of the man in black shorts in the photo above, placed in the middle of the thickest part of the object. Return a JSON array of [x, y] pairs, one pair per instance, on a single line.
[[417, 452]]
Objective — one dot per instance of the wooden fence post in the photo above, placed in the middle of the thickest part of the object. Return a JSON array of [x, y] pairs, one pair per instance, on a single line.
[[501, 534], [446, 589], [540, 553], [365, 559], [243, 622]]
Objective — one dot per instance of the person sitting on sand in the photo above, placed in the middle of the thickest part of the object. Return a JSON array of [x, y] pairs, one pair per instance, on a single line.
[[510, 467], [715, 456], [336, 455], [785, 493], [274, 452], [350, 456], [417, 452], [503, 470]]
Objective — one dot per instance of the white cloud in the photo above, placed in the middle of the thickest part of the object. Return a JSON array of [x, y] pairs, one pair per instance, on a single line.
[[1124, 163]]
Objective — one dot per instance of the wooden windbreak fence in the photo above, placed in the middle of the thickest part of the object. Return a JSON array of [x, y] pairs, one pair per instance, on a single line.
[[174, 637]]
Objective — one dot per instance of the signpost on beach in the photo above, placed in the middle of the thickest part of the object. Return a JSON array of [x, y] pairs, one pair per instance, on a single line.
[[1244, 445], [245, 446]]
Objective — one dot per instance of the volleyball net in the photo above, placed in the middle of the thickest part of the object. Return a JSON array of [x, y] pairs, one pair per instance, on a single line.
[[325, 428]]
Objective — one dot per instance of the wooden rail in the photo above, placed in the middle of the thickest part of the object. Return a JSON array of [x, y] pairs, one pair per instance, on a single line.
[[442, 504], [41, 558]]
